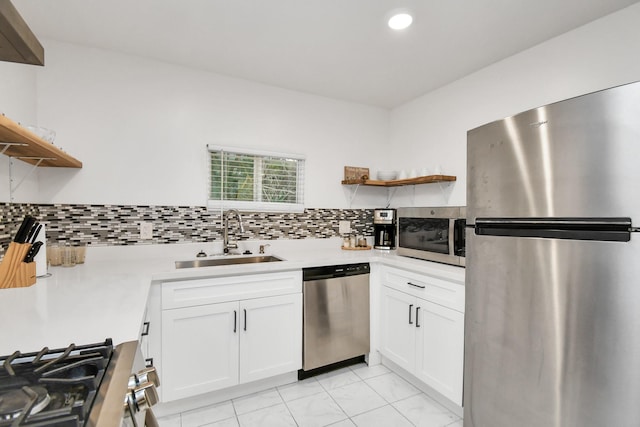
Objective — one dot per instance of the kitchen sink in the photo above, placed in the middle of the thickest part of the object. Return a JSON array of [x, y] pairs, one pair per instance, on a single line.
[[210, 262]]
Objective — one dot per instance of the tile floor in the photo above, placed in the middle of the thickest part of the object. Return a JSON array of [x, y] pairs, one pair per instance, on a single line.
[[354, 396]]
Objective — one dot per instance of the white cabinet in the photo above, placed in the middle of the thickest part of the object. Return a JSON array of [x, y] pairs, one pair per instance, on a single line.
[[199, 349], [220, 332], [398, 328], [271, 336], [440, 349], [424, 338]]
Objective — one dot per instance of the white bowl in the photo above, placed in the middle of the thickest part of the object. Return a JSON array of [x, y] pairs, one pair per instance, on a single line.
[[387, 175]]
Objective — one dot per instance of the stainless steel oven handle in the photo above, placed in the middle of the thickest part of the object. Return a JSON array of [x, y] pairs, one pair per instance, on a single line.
[[150, 419]]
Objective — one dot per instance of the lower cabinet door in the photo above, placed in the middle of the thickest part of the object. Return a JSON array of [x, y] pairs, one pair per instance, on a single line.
[[398, 327], [270, 336], [440, 348], [199, 349]]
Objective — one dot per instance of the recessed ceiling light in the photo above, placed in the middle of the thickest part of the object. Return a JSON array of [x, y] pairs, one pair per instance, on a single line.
[[400, 21]]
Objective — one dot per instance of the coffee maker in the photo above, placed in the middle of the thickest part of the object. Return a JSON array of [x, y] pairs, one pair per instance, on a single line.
[[384, 228]]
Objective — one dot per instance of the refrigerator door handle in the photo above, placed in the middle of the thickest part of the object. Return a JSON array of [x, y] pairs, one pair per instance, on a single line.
[[616, 229]]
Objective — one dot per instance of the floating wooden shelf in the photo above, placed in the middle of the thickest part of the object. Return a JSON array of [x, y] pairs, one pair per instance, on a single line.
[[18, 142], [429, 179], [19, 44]]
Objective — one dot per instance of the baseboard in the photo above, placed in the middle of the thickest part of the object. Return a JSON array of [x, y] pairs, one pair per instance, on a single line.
[[190, 403], [429, 391]]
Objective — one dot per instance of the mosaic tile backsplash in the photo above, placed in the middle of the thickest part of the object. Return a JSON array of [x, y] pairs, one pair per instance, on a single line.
[[119, 224]]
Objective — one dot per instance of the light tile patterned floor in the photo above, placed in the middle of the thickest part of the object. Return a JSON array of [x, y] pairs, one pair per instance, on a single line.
[[355, 396]]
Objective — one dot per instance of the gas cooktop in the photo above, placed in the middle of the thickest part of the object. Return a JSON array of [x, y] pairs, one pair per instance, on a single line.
[[52, 387]]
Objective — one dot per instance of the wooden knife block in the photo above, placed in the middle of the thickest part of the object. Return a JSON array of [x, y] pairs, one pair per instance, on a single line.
[[14, 273]]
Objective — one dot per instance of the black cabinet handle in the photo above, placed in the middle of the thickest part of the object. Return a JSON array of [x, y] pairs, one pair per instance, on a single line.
[[235, 321], [410, 320], [417, 317], [245, 319], [148, 362], [416, 286], [145, 329]]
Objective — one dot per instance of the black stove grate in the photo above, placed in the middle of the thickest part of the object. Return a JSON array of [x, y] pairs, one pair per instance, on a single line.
[[70, 378]]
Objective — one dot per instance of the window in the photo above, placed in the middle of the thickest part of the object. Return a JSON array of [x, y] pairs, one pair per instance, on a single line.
[[255, 180]]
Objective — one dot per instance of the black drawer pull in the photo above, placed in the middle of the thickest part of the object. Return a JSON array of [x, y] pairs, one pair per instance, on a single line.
[[417, 286], [235, 321], [417, 317], [148, 363], [245, 319], [145, 329], [410, 320]]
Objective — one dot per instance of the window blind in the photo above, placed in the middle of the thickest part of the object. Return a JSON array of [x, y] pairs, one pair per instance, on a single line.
[[255, 180]]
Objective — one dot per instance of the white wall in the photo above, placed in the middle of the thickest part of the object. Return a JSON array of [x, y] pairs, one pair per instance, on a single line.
[[141, 128], [18, 102], [432, 129]]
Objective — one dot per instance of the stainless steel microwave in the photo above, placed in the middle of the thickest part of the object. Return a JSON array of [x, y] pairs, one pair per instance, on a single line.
[[434, 234]]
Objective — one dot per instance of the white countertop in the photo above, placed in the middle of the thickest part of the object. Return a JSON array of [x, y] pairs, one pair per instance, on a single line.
[[106, 297]]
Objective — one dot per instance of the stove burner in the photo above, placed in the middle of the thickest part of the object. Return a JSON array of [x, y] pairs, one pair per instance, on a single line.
[[54, 388], [13, 403]]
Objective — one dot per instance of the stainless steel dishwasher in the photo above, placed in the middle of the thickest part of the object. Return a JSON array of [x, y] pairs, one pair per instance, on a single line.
[[336, 314]]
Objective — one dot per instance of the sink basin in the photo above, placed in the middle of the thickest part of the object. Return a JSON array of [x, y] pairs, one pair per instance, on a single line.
[[209, 262]]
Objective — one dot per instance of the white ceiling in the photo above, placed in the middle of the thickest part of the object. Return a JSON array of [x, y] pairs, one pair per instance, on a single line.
[[336, 48]]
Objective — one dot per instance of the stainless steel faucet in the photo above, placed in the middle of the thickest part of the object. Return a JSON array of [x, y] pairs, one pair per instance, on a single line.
[[226, 245]]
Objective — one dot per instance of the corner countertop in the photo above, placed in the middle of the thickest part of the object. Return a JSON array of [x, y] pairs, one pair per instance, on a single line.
[[106, 297]]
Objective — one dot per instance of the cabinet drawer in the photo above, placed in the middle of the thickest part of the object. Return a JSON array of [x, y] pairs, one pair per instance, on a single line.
[[188, 293], [434, 289]]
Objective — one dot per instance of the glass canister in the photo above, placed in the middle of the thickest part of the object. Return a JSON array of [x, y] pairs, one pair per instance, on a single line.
[[54, 255], [68, 254], [81, 250]]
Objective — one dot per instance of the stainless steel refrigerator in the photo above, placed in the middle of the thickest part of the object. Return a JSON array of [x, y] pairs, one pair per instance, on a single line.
[[552, 321]]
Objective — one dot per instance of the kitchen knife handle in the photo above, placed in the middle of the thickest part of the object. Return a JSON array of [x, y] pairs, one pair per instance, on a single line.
[[33, 235], [33, 251], [25, 227], [32, 232]]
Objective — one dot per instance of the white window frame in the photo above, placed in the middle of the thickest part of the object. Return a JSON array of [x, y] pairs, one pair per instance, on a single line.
[[257, 206]]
